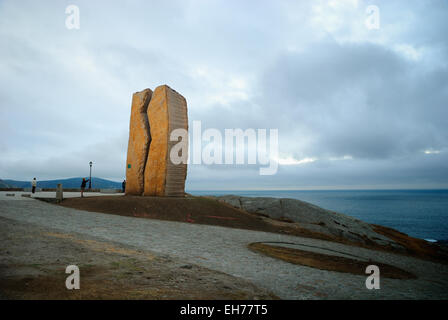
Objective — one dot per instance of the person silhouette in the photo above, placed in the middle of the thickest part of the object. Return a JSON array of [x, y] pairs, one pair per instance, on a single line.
[[83, 186], [33, 185]]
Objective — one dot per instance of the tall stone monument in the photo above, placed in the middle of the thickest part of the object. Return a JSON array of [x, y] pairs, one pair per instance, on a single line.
[[154, 115], [138, 145]]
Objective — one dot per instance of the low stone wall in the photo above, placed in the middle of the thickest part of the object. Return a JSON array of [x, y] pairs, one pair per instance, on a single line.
[[65, 190], [69, 190]]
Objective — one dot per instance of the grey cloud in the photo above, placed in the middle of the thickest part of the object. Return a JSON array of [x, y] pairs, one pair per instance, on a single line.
[[363, 100], [65, 96]]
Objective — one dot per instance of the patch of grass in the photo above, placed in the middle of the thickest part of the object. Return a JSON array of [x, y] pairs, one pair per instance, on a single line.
[[416, 247], [328, 262]]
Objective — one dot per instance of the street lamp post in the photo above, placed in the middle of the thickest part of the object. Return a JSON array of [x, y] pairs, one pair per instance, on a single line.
[[90, 178]]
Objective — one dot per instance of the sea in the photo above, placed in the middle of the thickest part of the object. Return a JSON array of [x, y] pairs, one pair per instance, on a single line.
[[419, 213]]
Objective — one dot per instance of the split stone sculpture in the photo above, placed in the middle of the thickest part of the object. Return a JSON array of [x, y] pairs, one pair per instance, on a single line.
[[154, 115]]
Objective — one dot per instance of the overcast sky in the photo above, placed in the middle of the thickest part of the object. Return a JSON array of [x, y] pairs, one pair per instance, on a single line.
[[365, 108]]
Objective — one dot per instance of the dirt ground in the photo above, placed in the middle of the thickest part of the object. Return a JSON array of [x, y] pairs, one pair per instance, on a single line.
[[199, 210], [203, 210], [33, 262]]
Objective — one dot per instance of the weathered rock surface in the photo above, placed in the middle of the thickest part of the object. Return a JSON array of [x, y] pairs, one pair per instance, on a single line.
[[310, 217], [138, 145], [167, 111]]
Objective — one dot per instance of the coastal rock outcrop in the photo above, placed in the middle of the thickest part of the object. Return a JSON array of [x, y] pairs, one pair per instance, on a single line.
[[311, 217]]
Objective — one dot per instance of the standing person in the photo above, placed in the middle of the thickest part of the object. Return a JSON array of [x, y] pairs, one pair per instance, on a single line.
[[123, 185], [33, 185], [83, 186]]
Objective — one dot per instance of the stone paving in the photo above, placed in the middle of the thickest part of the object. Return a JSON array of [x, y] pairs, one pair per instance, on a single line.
[[225, 250], [22, 195]]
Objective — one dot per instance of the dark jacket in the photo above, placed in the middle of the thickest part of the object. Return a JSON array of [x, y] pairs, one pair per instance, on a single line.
[[83, 183]]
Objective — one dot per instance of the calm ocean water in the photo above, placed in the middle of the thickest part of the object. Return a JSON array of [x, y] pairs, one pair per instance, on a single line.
[[419, 213]]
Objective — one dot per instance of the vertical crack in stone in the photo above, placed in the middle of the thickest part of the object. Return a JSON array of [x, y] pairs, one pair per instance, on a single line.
[[145, 157]]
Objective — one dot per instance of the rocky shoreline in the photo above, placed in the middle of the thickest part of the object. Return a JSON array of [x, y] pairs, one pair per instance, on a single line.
[[329, 223], [311, 217]]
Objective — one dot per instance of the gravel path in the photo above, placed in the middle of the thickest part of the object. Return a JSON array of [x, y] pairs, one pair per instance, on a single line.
[[33, 260], [225, 250], [22, 195]]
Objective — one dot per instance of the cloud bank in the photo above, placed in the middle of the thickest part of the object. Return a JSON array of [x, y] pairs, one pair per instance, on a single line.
[[369, 107]]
